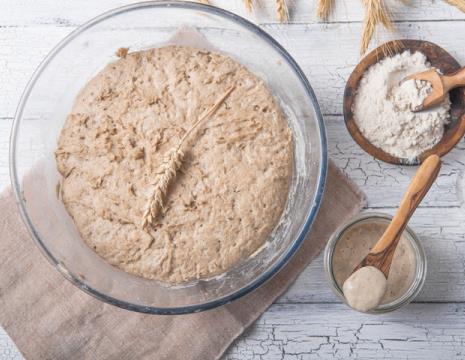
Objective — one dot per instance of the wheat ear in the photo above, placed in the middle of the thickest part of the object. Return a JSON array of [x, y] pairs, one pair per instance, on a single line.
[[172, 164], [248, 5], [391, 48], [324, 8], [459, 4], [375, 13], [281, 10]]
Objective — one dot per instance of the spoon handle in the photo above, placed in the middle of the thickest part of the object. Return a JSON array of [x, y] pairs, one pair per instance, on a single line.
[[417, 190], [454, 80], [381, 255]]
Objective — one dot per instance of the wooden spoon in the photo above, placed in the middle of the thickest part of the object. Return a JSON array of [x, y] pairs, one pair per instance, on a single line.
[[440, 84], [380, 256]]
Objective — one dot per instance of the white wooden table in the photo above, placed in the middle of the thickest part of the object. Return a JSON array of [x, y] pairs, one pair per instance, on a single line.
[[308, 321]]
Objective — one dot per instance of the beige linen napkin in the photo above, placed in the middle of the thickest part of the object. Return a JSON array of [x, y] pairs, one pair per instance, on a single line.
[[49, 318]]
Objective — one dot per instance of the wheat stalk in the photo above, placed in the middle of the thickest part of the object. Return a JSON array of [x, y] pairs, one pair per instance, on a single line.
[[375, 14], [324, 8], [249, 5], [459, 4], [281, 10], [171, 166], [391, 48]]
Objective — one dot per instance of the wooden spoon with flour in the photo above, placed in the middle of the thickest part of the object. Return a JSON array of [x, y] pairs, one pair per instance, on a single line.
[[440, 86], [365, 288]]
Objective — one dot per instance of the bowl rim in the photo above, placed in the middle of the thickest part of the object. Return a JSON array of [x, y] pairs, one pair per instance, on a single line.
[[266, 275]]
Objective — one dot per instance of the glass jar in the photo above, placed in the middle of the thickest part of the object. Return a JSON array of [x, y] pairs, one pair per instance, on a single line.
[[418, 252]]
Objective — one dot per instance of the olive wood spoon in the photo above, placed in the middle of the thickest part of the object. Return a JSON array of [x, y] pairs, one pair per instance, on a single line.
[[440, 86], [380, 256]]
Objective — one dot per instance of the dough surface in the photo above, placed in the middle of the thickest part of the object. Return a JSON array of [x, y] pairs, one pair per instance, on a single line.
[[232, 186]]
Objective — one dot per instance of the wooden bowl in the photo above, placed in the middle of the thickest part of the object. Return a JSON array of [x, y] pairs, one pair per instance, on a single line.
[[438, 58]]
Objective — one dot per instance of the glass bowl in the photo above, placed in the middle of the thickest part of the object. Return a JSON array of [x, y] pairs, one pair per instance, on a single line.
[[418, 278], [48, 99]]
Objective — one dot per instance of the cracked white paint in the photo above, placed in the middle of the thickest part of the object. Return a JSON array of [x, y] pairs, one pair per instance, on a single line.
[[325, 331], [308, 322]]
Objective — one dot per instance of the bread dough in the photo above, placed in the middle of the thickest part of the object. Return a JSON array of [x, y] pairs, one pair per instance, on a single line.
[[230, 191]]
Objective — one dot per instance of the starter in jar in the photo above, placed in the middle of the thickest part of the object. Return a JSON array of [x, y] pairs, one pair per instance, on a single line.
[[354, 244], [365, 288]]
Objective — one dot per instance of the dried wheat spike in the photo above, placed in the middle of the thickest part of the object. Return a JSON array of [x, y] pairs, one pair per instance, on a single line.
[[391, 48], [248, 5], [375, 14], [171, 166], [282, 10], [459, 4], [324, 9], [168, 172]]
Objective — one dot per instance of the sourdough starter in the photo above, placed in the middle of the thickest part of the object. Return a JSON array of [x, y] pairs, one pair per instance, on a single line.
[[230, 191], [365, 288], [356, 243]]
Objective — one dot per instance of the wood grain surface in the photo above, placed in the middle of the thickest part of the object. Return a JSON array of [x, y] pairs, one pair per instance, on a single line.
[[309, 322]]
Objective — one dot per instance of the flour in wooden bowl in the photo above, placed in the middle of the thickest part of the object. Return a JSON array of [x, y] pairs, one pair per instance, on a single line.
[[383, 107], [230, 190]]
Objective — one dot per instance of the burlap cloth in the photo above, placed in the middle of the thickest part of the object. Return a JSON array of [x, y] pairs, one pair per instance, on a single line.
[[49, 318]]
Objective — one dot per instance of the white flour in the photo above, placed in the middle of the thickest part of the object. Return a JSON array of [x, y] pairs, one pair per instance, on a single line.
[[382, 107]]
